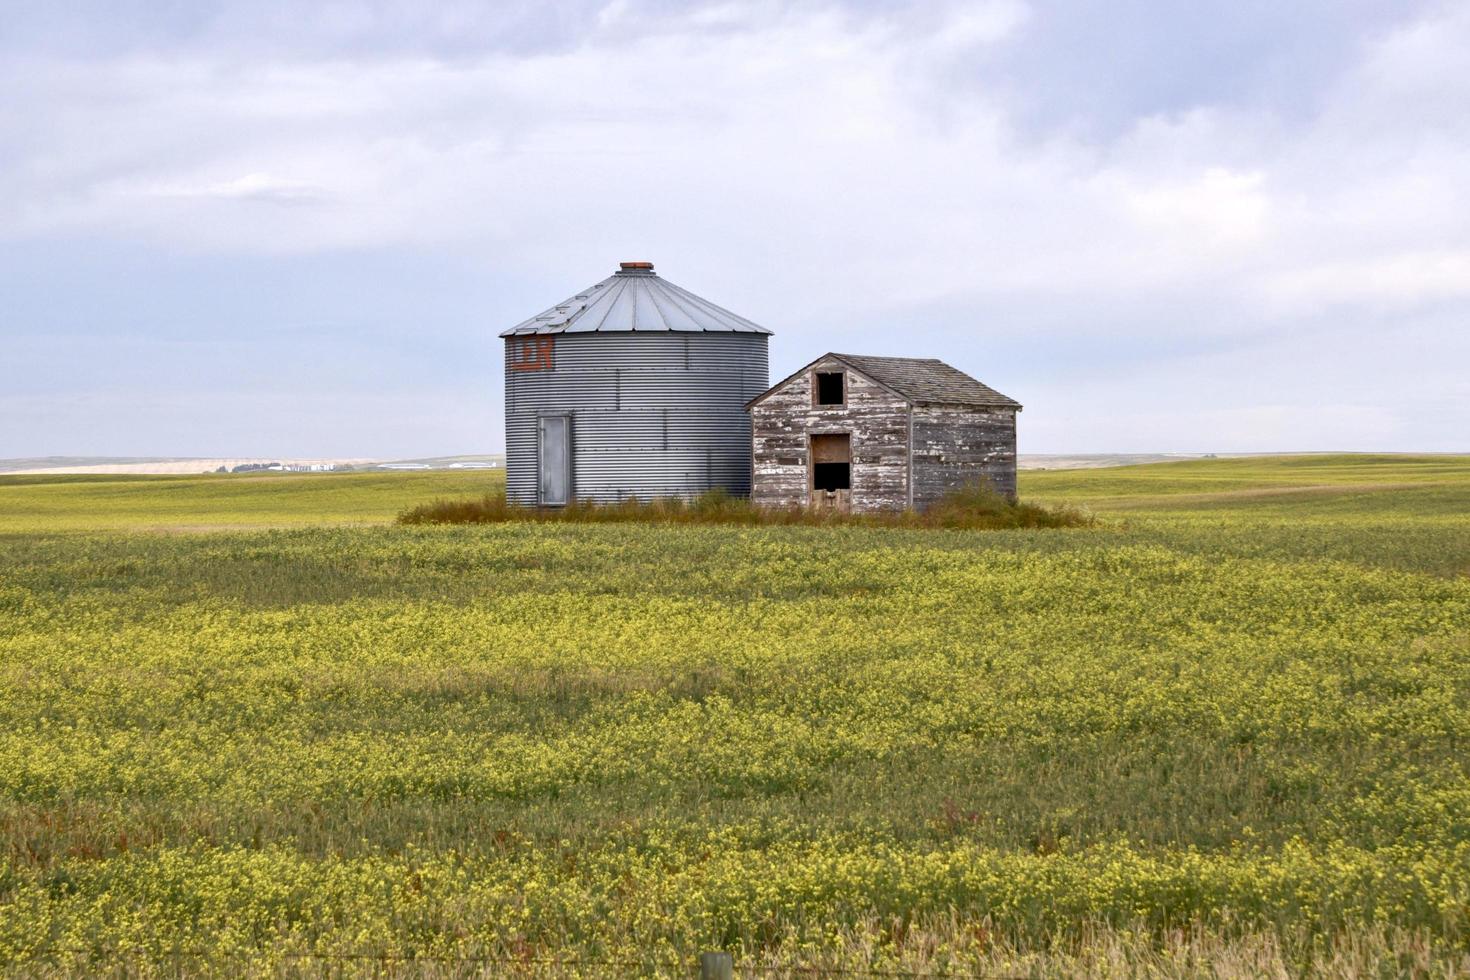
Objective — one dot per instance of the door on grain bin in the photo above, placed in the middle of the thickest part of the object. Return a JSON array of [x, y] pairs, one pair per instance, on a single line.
[[555, 456]]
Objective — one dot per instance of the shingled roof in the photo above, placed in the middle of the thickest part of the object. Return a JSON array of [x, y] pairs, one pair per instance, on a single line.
[[927, 381], [921, 380]]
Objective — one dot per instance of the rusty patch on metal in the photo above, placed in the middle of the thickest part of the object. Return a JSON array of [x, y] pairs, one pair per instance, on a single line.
[[533, 353]]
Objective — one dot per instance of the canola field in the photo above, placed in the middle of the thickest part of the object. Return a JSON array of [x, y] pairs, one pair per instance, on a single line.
[[250, 726]]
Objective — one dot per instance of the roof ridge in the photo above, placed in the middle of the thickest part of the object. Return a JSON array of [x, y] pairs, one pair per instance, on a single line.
[[612, 301], [711, 308]]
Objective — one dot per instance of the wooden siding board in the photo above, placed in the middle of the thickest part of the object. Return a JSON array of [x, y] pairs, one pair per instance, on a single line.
[[785, 417], [955, 446]]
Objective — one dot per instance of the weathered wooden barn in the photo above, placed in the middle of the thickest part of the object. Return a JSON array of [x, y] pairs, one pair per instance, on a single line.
[[879, 433]]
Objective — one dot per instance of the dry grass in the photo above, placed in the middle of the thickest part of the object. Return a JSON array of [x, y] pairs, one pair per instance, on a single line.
[[973, 508]]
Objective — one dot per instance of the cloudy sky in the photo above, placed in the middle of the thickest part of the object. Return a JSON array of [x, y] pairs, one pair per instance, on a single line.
[[275, 228]]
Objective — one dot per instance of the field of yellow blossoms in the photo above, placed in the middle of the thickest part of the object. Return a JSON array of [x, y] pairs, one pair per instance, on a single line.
[[248, 725]]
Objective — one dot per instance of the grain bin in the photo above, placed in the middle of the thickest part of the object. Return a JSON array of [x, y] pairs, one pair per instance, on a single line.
[[633, 387]]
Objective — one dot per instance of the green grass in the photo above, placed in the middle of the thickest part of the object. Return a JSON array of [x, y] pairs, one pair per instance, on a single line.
[[213, 502], [1222, 731], [1253, 482]]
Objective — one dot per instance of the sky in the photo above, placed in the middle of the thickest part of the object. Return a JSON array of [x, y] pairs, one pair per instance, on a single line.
[[270, 228]]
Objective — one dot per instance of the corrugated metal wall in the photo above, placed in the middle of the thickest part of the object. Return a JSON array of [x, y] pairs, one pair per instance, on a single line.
[[653, 414]]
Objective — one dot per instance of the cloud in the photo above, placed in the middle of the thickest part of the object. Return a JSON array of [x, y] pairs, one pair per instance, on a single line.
[[1216, 206], [249, 187], [1149, 186], [979, 24], [1391, 284]]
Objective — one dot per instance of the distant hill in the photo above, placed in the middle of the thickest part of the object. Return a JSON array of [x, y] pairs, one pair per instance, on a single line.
[[1092, 461], [180, 465], [157, 465], [54, 463]]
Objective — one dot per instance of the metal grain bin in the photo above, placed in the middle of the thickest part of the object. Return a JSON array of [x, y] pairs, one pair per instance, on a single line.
[[634, 387]]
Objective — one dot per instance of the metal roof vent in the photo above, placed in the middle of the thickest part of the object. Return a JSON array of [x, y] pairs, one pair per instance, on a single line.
[[635, 268]]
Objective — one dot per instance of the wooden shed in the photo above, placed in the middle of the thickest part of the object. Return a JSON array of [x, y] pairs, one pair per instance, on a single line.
[[879, 433]]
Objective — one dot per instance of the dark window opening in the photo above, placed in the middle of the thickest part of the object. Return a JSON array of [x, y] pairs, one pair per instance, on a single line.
[[832, 476], [831, 388], [831, 461]]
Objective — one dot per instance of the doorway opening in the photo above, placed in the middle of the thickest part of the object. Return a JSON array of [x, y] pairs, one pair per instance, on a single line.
[[832, 461]]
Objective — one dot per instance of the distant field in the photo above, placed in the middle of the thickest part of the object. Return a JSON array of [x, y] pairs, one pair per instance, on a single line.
[[246, 723], [1246, 480], [225, 501]]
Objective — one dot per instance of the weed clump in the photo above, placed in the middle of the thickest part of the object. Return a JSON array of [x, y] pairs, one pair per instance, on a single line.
[[976, 507]]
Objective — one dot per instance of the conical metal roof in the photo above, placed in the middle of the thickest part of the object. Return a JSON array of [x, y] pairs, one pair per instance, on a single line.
[[635, 299]]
